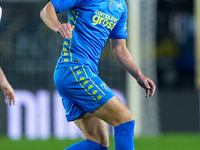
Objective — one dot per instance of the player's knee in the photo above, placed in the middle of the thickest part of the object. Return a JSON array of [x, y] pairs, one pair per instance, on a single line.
[[130, 118], [126, 117], [127, 114]]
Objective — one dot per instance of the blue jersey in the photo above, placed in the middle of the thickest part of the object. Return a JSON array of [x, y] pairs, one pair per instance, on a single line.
[[95, 21]]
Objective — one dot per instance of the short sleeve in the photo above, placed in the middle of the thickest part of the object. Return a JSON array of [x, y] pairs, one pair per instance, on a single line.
[[62, 5], [120, 30]]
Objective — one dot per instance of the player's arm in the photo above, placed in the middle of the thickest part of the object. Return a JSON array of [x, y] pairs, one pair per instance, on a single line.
[[122, 54], [49, 17], [6, 88]]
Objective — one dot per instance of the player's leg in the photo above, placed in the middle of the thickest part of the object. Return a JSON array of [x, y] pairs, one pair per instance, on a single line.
[[88, 93], [75, 103], [114, 112], [93, 128], [95, 132], [117, 114]]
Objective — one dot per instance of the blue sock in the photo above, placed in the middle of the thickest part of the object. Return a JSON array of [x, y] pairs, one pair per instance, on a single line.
[[124, 136], [87, 145]]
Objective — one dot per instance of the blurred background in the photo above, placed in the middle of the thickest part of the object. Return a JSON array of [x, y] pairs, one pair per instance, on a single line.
[[29, 51], [178, 95]]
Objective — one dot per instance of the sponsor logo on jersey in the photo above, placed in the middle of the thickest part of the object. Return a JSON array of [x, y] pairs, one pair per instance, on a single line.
[[104, 19]]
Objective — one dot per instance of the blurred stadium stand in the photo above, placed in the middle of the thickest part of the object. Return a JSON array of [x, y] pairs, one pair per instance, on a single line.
[[178, 95]]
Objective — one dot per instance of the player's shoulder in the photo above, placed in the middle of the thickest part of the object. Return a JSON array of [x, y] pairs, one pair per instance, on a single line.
[[123, 2], [122, 6]]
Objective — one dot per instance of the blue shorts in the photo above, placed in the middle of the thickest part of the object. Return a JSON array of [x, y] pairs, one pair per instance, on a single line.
[[81, 90]]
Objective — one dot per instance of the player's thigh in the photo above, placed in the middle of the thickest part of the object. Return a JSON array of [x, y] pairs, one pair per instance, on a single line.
[[93, 128], [114, 112]]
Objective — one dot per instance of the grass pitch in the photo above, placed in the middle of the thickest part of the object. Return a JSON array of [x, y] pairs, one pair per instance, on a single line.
[[161, 142]]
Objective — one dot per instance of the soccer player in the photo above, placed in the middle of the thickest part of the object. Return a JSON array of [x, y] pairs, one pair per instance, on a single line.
[[7, 88], [88, 101]]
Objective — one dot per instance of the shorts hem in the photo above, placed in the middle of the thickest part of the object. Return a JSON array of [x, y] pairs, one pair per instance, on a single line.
[[100, 104], [72, 118]]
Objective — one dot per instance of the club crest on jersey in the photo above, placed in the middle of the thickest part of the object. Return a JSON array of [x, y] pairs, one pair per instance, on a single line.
[[104, 86], [110, 4]]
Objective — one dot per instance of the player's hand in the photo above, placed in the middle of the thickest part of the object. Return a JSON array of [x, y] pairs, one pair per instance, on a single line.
[[65, 30], [148, 85], [8, 92]]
